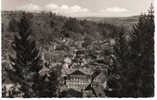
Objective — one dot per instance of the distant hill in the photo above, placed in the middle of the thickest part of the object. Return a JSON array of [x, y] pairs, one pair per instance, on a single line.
[[125, 21], [48, 26]]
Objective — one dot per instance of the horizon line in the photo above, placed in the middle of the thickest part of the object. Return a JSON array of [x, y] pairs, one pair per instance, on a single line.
[[68, 16]]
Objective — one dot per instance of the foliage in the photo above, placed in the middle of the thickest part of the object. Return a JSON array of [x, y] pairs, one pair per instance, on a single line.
[[47, 85], [27, 64], [71, 93], [136, 59], [143, 55], [13, 25]]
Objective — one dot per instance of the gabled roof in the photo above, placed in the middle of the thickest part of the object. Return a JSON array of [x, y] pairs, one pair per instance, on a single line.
[[77, 72], [95, 74]]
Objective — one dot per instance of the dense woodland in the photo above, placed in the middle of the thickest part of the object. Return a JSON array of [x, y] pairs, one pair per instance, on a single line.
[[26, 37]]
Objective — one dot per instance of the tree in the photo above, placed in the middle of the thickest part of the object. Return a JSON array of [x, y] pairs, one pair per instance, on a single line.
[[26, 63], [122, 66], [13, 25], [47, 85], [117, 66], [71, 93], [136, 58], [143, 55]]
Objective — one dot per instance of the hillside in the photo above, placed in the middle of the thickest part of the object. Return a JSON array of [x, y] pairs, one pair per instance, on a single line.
[[59, 37], [49, 26], [112, 20], [119, 21]]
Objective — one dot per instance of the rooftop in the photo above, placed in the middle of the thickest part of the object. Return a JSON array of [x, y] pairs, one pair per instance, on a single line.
[[77, 72]]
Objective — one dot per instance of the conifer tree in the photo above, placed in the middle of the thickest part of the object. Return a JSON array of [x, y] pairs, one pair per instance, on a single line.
[[26, 63], [47, 85], [13, 25], [117, 67], [124, 59], [143, 55]]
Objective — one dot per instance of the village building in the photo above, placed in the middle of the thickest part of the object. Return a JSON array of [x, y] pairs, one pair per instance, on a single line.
[[82, 82], [77, 80]]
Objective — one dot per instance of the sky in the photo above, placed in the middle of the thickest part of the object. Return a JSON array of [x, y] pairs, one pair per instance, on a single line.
[[81, 8]]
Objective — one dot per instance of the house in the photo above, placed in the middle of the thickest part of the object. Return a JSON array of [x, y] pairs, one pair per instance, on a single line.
[[97, 86], [77, 80], [89, 85]]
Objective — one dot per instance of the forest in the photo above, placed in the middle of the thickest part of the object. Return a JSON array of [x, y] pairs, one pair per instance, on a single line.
[[34, 46]]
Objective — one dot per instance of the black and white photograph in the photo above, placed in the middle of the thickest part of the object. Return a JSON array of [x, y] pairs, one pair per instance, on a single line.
[[77, 48]]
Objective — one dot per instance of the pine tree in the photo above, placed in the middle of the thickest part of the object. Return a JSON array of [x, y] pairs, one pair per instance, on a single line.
[[119, 64], [47, 85], [26, 63], [13, 25], [143, 55]]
